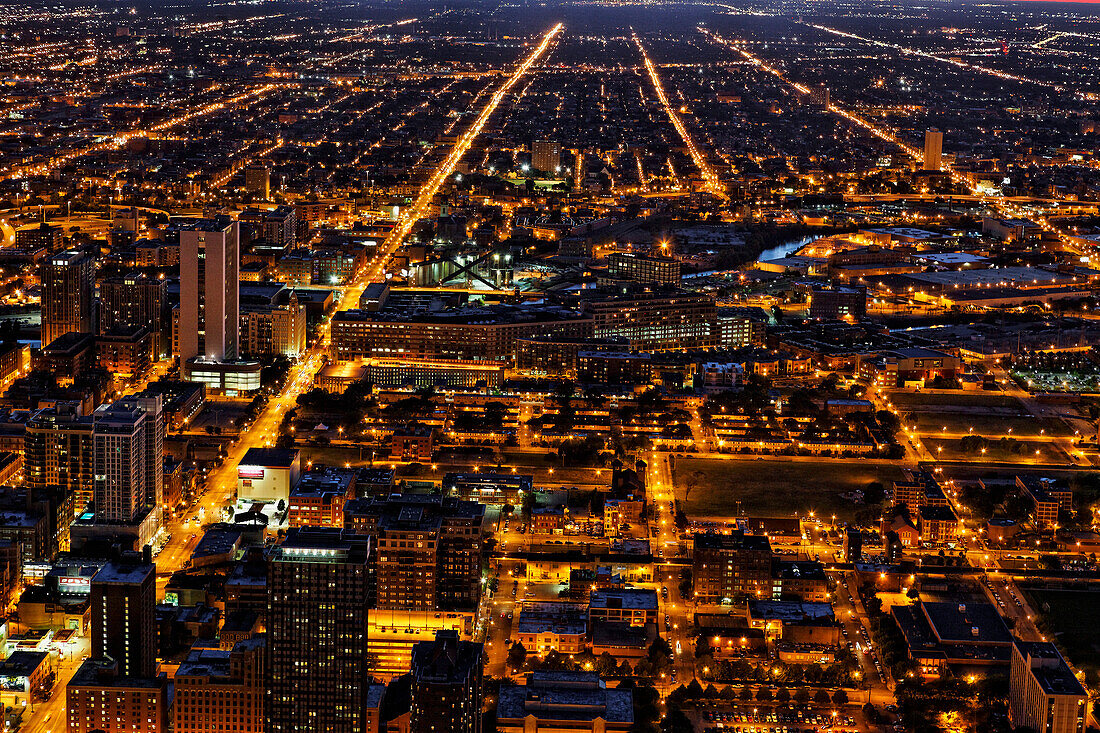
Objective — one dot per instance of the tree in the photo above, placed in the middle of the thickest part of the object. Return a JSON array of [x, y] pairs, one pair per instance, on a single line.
[[784, 695], [890, 422], [659, 652], [840, 697], [527, 505], [802, 696], [517, 656], [821, 697], [691, 482], [764, 694], [676, 721], [606, 664], [746, 693]]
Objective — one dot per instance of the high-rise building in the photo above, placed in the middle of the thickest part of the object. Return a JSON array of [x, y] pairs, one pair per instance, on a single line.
[[40, 236], [728, 567], [119, 462], [221, 690], [446, 685], [657, 321], [428, 549], [67, 295], [643, 268], [1043, 693], [123, 609], [270, 330], [155, 428], [209, 291], [319, 586], [277, 227], [546, 156], [933, 150], [57, 450], [131, 301], [257, 180]]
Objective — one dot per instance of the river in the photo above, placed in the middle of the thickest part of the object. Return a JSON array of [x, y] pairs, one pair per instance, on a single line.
[[785, 249]]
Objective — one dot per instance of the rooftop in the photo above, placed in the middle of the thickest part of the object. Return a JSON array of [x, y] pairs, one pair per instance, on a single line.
[[626, 598], [127, 573], [566, 696], [1049, 668], [956, 622], [270, 457]]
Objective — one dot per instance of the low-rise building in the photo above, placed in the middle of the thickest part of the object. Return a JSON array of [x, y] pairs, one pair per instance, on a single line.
[[268, 474], [98, 699], [1048, 497], [730, 566], [221, 690], [552, 626], [556, 701], [633, 606], [942, 635], [938, 525]]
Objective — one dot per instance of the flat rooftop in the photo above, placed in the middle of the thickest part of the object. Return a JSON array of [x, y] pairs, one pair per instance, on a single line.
[[270, 457], [129, 573], [1049, 668]]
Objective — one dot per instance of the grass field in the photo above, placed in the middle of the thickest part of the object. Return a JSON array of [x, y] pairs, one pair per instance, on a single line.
[[775, 487], [1071, 616], [905, 400], [952, 451], [985, 424]]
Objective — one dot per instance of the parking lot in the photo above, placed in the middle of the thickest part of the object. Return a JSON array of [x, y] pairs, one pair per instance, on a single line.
[[784, 719]]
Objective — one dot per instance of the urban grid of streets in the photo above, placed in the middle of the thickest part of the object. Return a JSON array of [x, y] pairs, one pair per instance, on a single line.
[[744, 57]]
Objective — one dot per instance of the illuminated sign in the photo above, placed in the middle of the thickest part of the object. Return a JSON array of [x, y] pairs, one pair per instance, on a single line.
[[250, 472], [73, 583]]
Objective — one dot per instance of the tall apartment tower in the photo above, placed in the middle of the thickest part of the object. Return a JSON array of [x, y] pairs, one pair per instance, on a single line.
[[257, 180], [57, 451], [68, 280], [1043, 692], [319, 583], [132, 301], [428, 547], [209, 322], [546, 156], [446, 685], [155, 429], [933, 150], [124, 596], [119, 462]]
